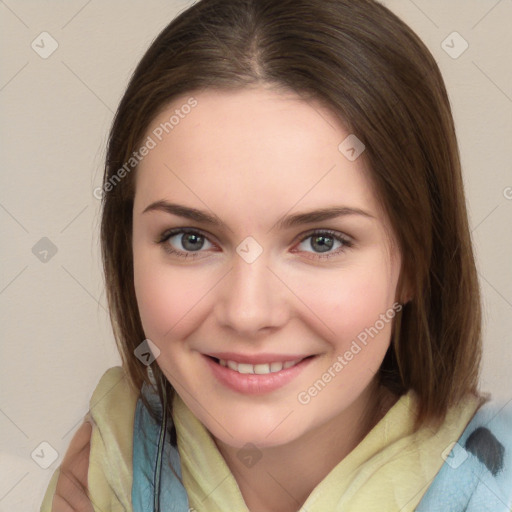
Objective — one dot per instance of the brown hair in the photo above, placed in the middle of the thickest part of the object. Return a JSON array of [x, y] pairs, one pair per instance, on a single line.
[[371, 70]]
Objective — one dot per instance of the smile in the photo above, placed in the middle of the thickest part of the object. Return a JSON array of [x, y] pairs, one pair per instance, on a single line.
[[255, 379]]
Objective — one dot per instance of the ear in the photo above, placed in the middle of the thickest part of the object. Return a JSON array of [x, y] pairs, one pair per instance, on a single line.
[[406, 297], [404, 290]]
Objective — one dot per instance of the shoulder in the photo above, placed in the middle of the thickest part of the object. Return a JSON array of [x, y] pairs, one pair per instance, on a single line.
[[488, 437], [112, 409], [113, 396], [477, 472]]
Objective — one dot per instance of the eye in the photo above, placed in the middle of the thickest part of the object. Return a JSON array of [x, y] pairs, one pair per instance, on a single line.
[[325, 243], [189, 243], [185, 243]]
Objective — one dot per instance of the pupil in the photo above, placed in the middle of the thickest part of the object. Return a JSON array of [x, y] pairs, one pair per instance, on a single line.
[[324, 243], [192, 242]]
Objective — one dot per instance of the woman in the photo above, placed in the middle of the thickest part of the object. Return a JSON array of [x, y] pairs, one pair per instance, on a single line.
[[286, 247]]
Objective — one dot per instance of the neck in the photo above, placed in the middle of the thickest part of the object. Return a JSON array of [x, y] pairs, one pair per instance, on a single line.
[[285, 476]]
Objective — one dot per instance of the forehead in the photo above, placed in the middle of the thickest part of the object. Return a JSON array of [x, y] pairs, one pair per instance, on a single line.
[[249, 144]]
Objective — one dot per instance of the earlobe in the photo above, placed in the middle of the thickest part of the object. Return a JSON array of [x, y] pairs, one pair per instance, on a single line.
[[406, 297], [405, 294]]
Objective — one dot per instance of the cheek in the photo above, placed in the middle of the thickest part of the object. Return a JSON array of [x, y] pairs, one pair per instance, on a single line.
[[349, 301], [168, 298], [355, 308]]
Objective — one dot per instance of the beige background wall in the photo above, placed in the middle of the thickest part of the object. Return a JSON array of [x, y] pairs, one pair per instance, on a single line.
[[55, 114]]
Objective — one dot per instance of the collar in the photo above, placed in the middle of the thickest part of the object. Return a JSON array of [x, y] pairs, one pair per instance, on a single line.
[[390, 469]]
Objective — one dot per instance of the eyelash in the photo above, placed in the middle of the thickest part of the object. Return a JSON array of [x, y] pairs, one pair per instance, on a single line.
[[166, 235]]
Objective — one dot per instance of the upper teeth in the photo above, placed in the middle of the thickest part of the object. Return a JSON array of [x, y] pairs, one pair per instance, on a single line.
[[260, 369]]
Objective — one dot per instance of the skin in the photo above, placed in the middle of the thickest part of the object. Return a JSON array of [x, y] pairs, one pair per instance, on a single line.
[[71, 491], [251, 157]]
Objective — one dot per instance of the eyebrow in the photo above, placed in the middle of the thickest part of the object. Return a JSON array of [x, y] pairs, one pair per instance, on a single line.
[[284, 223]]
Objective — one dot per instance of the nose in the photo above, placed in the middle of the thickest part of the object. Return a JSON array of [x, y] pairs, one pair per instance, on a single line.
[[252, 300]]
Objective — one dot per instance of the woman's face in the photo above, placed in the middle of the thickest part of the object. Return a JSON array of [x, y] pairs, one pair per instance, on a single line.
[[273, 248]]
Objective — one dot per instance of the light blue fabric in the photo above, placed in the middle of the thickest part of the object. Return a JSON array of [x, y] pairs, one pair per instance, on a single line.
[[464, 483], [173, 496]]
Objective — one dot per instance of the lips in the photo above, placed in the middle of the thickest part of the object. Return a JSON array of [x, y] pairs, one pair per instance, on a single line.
[[245, 380]]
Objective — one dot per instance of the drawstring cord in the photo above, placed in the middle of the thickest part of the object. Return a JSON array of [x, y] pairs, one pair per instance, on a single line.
[[158, 465]]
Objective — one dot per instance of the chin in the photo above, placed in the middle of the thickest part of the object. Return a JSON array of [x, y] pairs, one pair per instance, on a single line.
[[241, 434]]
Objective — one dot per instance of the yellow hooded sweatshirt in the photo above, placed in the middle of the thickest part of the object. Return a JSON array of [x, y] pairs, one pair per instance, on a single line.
[[388, 471]]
